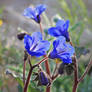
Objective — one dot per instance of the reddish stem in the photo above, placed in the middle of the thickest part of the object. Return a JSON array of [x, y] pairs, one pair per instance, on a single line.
[[75, 72], [75, 75], [29, 61], [86, 71], [24, 66], [48, 89], [44, 59], [30, 72], [54, 77], [28, 79], [47, 66], [75, 87], [46, 62], [48, 72], [41, 30]]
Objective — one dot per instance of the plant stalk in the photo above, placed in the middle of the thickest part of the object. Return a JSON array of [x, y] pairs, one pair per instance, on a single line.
[[86, 71], [48, 89], [28, 79], [24, 66]]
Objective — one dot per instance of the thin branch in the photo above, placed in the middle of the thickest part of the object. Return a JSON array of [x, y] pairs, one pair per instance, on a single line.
[[24, 66], [47, 66], [54, 77], [75, 72], [76, 69], [28, 79], [30, 72], [46, 62], [86, 71], [41, 30], [48, 89], [55, 70], [75, 75], [29, 61], [44, 59]]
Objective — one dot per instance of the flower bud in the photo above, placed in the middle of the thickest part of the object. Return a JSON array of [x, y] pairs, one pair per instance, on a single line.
[[20, 36], [69, 69], [61, 68], [44, 80]]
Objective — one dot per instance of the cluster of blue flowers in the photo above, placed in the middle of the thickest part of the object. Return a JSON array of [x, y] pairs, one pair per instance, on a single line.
[[36, 46]]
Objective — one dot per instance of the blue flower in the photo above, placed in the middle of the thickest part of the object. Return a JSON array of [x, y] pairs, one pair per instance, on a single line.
[[34, 13], [34, 44], [61, 29], [62, 50]]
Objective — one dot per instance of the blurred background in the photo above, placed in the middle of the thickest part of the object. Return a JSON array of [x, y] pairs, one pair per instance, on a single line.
[[79, 12]]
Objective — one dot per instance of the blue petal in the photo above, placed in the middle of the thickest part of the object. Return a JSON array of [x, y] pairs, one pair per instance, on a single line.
[[36, 37], [27, 41], [29, 13], [40, 8], [37, 53], [70, 50], [53, 31], [67, 60], [42, 46], [59, 42], [66, 25], [53, 54], [58, 46], [60, 23]]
